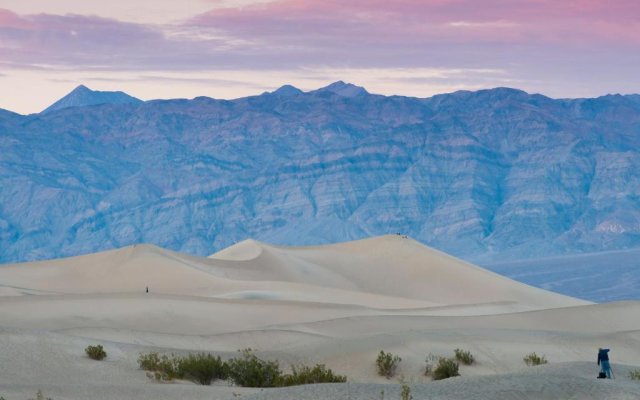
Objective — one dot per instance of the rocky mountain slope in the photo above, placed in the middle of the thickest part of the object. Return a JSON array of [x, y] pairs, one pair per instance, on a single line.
[[489, 175]]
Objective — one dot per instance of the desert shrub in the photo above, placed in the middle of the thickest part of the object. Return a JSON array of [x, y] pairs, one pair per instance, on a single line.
[[304, 375], [464, 356], [405, 392], [534, 359], [96, 352], [250, 371], [387, 364], [247, 370], [39, 396], [446, 368], [162, 367], [200, 368], [635, 374], [431, 361]]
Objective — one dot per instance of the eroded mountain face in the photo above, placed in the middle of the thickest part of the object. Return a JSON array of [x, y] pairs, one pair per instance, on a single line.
[[494, 174]]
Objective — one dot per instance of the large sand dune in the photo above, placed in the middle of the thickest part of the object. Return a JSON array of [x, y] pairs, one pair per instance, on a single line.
[[337, 304]]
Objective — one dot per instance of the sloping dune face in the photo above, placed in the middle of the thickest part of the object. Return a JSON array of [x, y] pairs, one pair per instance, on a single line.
[[336, 304], [390, 265], [388, 271]]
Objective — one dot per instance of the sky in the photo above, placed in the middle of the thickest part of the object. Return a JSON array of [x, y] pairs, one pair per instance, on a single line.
[[234, 48]]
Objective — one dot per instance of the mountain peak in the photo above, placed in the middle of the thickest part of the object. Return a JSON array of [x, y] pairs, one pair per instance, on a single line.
[[344, 89], [81, 88], [504, 91], [82, 96], [287, 90]]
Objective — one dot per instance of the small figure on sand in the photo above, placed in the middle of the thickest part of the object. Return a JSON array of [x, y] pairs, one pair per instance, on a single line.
[[603, 362], [147, 289]]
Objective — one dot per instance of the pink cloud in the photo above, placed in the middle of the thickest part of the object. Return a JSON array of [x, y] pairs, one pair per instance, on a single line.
[[531, 40], [12, 20], [362, 33], [506, 21], [93, 42]]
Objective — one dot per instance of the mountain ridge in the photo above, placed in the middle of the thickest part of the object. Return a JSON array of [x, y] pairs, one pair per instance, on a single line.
[[335, 86], [488, 175]]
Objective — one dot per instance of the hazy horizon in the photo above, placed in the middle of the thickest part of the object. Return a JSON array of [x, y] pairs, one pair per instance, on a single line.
[[306, 90], [234, 48]]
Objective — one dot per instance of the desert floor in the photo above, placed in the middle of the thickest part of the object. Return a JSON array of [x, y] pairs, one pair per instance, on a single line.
[[337, 304]]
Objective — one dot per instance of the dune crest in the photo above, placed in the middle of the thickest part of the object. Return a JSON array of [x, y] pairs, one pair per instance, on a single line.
[[243, 251]]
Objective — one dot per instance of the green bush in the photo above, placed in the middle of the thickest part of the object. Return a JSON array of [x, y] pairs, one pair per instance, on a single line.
[[162, 368], [39, 396], [431, 360], [247, 370], [446, 368], [534, 359], [304, 375], [149, 361], [635, 374], [95, 352], [405, 392], [200, 368], [250, 371], [387, 364], [464, 356]]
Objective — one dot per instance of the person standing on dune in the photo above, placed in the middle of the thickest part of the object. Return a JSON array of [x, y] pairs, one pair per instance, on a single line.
[[603, 362]]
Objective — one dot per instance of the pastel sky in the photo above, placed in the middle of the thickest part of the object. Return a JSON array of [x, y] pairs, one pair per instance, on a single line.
[[233, 48]]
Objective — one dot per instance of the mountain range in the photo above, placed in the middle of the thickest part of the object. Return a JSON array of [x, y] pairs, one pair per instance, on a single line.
[[489, 175]]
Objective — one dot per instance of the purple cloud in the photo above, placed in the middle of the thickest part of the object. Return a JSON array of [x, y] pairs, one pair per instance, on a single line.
[[515, 34], [359, 33], [419, 21], [90, 42], [562, 48]]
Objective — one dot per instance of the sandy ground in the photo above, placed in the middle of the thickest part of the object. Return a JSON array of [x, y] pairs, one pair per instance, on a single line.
[[338, 304]]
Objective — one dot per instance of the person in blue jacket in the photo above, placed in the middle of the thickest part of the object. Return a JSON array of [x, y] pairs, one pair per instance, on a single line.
[[603, 362]]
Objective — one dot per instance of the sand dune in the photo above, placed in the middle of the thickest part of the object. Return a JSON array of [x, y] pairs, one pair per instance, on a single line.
[[388, 266], [336, 304]]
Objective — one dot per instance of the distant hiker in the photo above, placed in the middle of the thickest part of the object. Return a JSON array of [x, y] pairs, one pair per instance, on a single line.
[[147, 289], [603, 362]]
